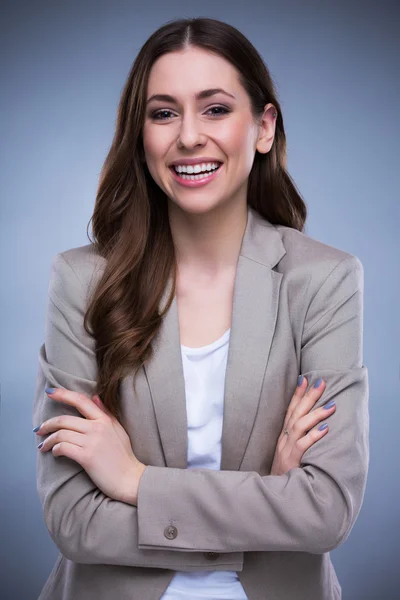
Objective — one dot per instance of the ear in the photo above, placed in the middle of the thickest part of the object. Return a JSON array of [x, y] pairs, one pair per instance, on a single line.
[[267, 129]]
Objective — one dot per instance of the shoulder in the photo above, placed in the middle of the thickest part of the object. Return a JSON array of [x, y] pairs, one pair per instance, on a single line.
[[315, 262], [83, 260], [73, 273]]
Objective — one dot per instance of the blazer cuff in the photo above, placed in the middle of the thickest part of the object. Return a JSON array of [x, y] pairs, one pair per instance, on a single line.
[[156, 531]]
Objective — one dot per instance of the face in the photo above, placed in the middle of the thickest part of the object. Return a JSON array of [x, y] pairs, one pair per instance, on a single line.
[[215, 128]]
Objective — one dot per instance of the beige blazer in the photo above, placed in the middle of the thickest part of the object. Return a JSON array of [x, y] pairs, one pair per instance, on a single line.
[[297, 309]]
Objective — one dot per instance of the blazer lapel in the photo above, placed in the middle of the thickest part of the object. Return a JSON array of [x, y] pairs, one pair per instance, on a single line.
[[164, 374], [255, 306]]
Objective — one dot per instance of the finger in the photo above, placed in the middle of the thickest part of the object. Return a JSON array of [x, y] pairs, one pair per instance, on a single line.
[[307, 402], [97, 400], [78, 424], [303, 425], [307, 441], [297, 396], [62, 435], [81, 402], [72, 451]]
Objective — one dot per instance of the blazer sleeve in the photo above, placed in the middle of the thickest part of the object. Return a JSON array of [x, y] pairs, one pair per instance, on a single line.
[[311, 508], [86, 525]]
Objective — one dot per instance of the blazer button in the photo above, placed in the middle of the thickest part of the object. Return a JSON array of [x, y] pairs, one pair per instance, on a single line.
[[170, 532], [211, 555]]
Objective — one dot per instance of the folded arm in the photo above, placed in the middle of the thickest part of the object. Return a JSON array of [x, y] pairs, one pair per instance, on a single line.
[[311, 508], [85, 524]]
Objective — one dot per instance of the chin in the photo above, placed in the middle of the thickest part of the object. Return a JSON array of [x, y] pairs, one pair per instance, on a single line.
[[196, 207]]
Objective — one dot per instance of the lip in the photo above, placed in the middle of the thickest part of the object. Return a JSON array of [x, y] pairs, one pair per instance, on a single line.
[[193, 183], [195, 161]]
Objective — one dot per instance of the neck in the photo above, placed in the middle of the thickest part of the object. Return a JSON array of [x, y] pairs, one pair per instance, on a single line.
[[208, 243]]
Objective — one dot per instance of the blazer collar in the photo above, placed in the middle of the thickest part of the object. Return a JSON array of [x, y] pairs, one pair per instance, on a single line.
[[255, 307]]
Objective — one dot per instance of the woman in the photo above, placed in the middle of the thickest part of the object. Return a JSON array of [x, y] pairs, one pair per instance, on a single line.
[[204, 471]]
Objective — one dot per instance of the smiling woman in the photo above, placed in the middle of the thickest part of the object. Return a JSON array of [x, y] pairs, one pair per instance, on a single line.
[[195, 350], [198, 122]]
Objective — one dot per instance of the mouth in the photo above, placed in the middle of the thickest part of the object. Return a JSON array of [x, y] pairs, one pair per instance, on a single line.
[[195, 179]]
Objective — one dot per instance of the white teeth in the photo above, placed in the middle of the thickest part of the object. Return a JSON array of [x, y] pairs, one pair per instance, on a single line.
[[196, 168], [197, 177]]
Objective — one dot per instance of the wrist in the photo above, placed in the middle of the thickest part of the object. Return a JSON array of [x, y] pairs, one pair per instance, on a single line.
[[131, 495]]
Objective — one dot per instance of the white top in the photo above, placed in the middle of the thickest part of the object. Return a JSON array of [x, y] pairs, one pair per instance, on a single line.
[[204, 371]]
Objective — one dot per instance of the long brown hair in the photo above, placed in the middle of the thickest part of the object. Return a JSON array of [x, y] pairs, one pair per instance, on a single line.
[[130, 219]]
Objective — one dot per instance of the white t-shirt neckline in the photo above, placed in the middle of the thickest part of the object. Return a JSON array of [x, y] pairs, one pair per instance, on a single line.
[[212, 346]]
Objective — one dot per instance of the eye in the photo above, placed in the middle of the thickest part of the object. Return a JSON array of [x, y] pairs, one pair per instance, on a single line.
[[157, 116], [223, 108]]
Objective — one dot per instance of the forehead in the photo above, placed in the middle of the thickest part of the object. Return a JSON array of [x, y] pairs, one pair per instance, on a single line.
[[185, 72]]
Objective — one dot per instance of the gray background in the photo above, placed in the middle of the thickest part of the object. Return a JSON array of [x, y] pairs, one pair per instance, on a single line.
[[336, 68]]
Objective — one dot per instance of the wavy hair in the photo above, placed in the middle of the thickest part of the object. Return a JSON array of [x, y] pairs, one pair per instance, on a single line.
[[130, 219]]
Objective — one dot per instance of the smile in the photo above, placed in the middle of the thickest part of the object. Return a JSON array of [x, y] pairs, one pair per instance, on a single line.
[[200, 179]]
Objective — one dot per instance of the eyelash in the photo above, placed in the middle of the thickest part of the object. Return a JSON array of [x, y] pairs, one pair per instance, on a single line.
[[154, 115]]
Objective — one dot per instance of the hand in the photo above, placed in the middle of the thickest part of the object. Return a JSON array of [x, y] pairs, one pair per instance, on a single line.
[[98, 443], [299, 423]]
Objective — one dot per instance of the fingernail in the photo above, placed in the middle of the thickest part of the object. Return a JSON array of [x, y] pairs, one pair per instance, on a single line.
[[329, 404], [318, 382], [50, 390], [36, 428], [300, 380], [322, 427], [40, 445]]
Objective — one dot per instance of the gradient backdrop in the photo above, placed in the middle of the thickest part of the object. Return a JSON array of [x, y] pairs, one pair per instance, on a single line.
[[336, 68]]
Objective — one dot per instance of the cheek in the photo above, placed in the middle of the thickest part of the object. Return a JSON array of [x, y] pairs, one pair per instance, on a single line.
[[150, 147], [154, 143], [237, 140], [154, 152]]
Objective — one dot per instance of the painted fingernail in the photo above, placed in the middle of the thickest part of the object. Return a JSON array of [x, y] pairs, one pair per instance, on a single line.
[[40, 445], [300, 380], [36, 428], [50, 390], [329, 404], [318, 382], [322, 427]]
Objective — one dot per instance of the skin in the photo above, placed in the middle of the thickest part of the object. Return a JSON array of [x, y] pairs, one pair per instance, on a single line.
[[300, 423], [207, 225], [98, 442]]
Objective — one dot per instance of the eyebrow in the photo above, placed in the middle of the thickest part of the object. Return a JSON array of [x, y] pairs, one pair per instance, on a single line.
[[198, 96]]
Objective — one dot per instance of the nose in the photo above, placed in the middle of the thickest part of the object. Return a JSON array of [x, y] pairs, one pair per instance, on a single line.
[[190, 133]]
